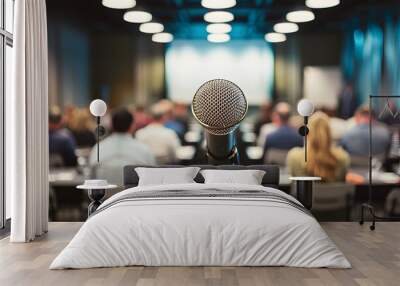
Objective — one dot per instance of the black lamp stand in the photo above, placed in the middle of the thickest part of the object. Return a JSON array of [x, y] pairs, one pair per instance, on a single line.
[[303, 131], [100, 131]]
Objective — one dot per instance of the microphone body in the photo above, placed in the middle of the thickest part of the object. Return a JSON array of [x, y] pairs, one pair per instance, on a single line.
[[219, 106]]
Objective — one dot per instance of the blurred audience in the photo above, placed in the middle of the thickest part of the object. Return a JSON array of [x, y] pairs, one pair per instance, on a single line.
[[120, 149], [347, 102], [142, 119], [163, 141], [356, 139], [61, 141], [264, 117], [178, 120], [82, 126], [324, 160], [280, 135]]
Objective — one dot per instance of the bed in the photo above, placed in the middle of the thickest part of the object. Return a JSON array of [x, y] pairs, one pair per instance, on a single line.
[[197, 224]]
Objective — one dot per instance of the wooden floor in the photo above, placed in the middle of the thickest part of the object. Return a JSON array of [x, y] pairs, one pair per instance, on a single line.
[[375, 257]]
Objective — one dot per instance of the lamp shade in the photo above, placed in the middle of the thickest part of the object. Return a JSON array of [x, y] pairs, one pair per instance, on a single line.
[[300, 16], [98, 107], [119, 4], [218, 38], [305, 107], [218, 17], [286, 27], [318, 4], [137, 16], [151, 28], [162, 38], [218, 4], [275, 37], [219, 28]]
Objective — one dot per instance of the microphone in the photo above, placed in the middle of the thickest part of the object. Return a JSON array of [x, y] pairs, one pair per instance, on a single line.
[[219, 106]]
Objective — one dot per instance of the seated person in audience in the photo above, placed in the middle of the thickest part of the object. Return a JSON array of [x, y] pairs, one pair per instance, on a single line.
[[284, 137], [323, 159], [264, 117], [162, 141], [356, 139], [120, 149], [142, 119], [82, 127], [61, 142]]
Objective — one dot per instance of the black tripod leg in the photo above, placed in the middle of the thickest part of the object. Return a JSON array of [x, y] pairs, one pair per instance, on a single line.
[[362, 215], [372, 227]]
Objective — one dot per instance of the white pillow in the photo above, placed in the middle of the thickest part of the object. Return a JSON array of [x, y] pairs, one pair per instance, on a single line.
[[248, 177], [166, 176]]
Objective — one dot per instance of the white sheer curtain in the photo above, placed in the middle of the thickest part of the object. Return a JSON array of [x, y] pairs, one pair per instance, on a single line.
[[27, 124]]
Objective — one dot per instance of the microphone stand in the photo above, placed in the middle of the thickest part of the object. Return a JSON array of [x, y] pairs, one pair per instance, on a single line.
[[224, 146]]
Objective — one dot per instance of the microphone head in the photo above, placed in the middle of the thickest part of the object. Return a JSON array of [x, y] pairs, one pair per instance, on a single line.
[[219, 106]]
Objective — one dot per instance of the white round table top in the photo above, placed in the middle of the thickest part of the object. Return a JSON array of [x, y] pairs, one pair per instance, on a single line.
[[88, 187], [305, 178]]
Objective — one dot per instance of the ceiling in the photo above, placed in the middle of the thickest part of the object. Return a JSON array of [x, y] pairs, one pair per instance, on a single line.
[[253, 18]]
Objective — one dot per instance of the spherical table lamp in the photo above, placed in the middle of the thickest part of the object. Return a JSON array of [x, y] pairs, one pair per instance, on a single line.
[[98, 108], [305, 108], [97, 188], [305, 184]]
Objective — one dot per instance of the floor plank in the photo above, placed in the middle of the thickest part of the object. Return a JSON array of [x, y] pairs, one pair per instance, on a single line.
[[375, 257]]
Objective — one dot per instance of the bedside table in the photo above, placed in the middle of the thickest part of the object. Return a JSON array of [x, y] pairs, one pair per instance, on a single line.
[[95, 194], [304, 189]]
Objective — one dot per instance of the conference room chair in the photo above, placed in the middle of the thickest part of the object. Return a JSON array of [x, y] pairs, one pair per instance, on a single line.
[[276, 156], [392, 203], [333, 200]]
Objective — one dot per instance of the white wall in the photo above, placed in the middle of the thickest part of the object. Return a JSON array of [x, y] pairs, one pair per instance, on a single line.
[[249, 64], [322, 85]]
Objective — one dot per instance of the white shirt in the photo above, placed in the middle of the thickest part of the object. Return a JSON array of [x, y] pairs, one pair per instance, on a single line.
[[117, 151], [162, 141], [265, 130]]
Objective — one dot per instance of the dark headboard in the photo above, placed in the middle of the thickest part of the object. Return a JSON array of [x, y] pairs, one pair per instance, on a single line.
[[270, 179]]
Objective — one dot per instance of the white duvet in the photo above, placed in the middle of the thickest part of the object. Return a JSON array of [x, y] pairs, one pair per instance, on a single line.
[[200, 231]]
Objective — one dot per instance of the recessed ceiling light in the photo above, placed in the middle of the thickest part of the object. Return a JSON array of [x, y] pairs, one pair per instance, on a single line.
[[137, 17], [218, 4], [151, 28], [219, 28], [119, 4], [322, 3], [300, 16], [218, 38], [218, 17], [162, 38], [275, 37], [286, 27]]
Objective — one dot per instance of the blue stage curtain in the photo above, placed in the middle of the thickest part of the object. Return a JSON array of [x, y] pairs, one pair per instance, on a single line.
[[392, 56], [362, 58]]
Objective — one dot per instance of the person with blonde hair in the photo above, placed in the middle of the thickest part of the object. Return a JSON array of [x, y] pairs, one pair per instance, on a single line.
[[324, 160], [82, 126]]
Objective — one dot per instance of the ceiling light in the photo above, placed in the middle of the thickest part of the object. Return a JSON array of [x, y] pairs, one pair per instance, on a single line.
[[286, 27], [162, 38], [218, 4], [218, 38], [151, 28], [218, 17], [322, 3], [137, 17], [300, 16], [119, 4], [219, 28], [275, 37]]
